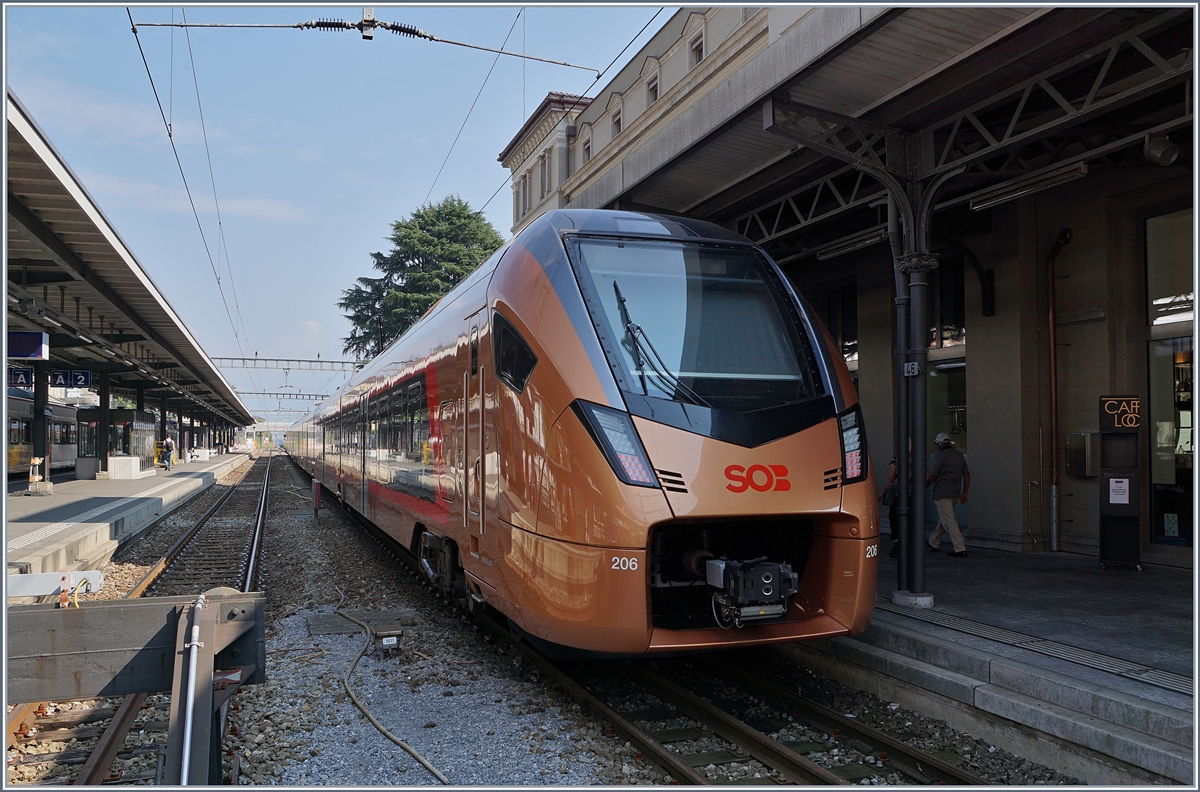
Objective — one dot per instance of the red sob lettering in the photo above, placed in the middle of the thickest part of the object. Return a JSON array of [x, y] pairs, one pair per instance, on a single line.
[[760, 478]]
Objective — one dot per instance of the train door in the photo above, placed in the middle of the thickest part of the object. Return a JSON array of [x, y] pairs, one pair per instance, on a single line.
[[475, 376], [364, 441]]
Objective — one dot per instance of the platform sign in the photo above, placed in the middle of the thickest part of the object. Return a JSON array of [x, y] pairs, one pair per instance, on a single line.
[[70, 378], [27, 345], [20, 377]]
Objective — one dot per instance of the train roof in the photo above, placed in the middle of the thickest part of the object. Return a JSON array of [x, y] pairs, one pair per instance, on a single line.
[[642, 224]]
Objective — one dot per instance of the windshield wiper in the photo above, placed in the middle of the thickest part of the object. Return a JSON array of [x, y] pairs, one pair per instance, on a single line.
[[634, 338], [630, 340]]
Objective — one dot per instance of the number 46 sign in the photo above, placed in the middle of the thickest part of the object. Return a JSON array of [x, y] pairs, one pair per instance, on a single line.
[[70, 378]]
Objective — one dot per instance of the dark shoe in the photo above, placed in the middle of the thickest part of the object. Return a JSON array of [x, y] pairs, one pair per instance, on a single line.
[[959, 554], [932, 549]]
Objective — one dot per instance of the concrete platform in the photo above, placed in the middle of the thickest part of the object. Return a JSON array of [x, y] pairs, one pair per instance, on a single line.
[[1046, 655], [83, 522]]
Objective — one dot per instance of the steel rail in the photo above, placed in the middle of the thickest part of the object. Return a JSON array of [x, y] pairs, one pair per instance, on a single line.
[[112, 740], [100, 760], [773, 754], [664, 757], [912, 761], [161, 564], [260, 523]]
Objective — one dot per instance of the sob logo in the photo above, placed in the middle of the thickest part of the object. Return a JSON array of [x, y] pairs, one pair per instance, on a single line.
[[759, 478]]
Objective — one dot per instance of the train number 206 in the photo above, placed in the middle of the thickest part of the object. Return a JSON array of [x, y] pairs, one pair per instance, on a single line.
[[872, 550], [624, 562]]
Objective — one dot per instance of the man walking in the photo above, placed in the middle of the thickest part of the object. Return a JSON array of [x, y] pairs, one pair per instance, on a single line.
[[168, 452], [951, 480]]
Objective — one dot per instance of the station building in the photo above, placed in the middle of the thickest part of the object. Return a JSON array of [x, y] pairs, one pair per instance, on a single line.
[[1057, 147]]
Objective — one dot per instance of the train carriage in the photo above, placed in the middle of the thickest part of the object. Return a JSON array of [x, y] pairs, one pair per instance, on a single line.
[[627, 433], [60, 425]]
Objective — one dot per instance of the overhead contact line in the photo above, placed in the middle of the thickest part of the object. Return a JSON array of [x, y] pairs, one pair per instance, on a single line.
[[367, 27]]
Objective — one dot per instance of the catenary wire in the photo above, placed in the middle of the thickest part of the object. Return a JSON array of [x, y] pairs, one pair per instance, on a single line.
[[217, 204], [187, 189], [468, 118], [566, 112], [399, 28]]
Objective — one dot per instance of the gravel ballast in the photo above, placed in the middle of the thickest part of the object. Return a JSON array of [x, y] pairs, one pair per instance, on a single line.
[[471, 705]]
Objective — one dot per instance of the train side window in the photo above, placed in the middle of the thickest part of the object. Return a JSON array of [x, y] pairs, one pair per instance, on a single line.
[[26, 432], [474, 351], [14, 432], [72, 434], [515, 361]]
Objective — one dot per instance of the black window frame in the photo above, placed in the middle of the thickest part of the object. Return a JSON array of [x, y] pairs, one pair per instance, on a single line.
[[501, 326]]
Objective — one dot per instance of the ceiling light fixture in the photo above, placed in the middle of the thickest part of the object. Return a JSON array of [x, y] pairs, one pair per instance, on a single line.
[[852, 243], [1027, 185]]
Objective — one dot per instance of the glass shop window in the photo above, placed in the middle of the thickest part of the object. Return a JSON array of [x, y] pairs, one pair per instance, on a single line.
[[946, 405], [1171, 427], [1169, 281], [947, 314]]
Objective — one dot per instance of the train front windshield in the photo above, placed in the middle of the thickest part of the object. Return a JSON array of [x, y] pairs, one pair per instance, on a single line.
[[706, 325]]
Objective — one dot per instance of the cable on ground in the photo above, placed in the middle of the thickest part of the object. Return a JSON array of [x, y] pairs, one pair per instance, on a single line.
[[382, 729]]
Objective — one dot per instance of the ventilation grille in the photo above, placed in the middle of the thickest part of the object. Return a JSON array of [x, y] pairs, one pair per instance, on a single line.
[[671, 482], [833, 478]]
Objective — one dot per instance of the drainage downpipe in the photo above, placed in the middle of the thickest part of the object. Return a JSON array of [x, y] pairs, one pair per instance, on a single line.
[[1064, 237], [190, 702], [900, 532]]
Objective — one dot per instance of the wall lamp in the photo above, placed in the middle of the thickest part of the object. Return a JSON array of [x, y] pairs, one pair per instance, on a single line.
[[1028, 185], [1160, 150], [851, 243]]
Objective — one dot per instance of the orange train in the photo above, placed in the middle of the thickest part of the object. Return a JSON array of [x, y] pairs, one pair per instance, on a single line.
[[626, 432]]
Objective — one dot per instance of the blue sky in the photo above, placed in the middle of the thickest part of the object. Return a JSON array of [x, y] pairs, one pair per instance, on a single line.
[[319, 141]]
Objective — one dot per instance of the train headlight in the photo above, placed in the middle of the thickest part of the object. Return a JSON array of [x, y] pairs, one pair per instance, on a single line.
[[613, 431], [854, 446]]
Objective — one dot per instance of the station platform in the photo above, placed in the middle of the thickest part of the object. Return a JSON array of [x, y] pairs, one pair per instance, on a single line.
[[1094, 667], [84, 521]]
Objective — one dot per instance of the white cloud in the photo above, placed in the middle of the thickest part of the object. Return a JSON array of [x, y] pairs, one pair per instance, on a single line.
[[148, 196], [82, 113]]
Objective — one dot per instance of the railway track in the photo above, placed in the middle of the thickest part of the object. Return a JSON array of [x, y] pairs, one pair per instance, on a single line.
[[219, 549], [701, 733]]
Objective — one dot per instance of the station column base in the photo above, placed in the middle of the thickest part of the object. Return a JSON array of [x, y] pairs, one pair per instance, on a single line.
[[910, 600]]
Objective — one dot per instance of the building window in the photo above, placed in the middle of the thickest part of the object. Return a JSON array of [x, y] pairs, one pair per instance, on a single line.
[[696, 50], [541, 165], [1169, 286], [652, 90], [616, 123], [1170, 427], [838, 303], [587, 150]]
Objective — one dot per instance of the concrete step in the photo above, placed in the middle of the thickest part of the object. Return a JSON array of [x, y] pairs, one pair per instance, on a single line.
[[1105, 737], [1159, 720], [917, 672], [1149, 717], [1143, 733]]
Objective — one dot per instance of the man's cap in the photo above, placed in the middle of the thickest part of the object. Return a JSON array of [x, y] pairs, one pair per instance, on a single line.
[[942, 439]]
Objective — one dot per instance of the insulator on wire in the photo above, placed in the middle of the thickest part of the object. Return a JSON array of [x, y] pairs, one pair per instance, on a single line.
[[401, 29], [329, 24]]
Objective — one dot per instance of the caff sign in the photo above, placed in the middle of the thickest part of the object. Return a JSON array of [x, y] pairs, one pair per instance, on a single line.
[[1120, 413]]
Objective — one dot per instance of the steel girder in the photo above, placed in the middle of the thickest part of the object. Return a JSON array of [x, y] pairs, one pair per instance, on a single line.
[[1060, 116]]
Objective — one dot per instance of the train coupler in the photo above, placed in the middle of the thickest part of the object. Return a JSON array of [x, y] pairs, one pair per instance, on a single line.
[[751, 591]]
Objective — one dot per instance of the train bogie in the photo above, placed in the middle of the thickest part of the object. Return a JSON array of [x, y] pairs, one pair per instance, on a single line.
[[626, 433]]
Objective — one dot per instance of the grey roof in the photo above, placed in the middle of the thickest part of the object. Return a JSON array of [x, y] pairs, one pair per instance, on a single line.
[[59, 237]]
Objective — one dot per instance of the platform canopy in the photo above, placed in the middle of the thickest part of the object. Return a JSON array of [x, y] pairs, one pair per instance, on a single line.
[[70, 275]]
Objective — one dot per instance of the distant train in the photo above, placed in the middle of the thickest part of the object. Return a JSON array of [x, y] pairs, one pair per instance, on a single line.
[[626, 432], [63, 433]]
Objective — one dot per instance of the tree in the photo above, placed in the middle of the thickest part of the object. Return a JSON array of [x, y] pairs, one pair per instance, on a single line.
[[432, 251]]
